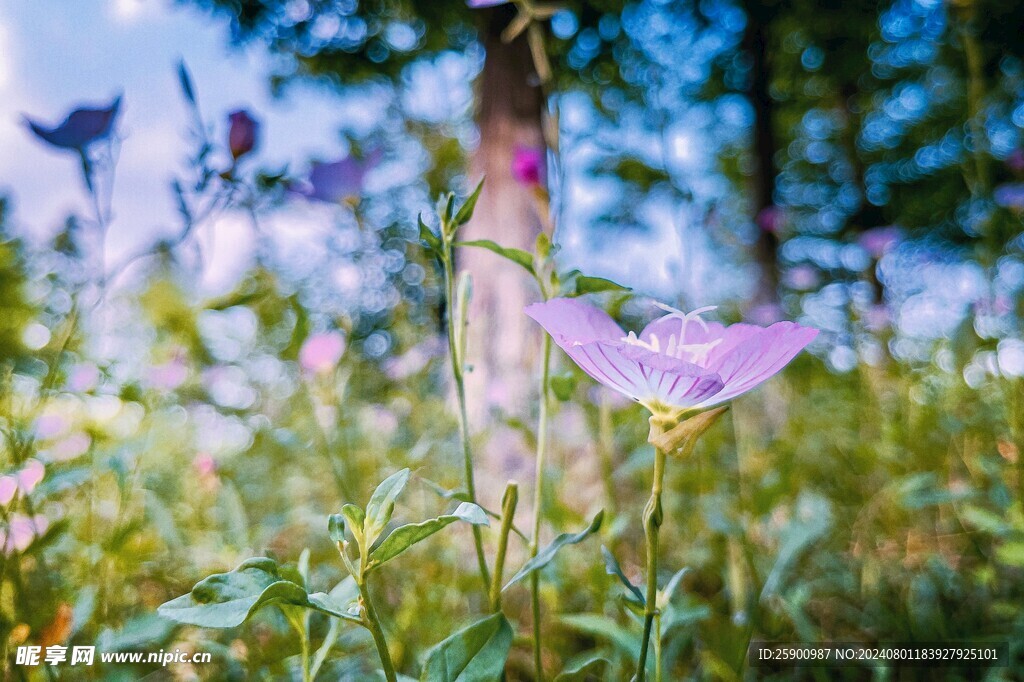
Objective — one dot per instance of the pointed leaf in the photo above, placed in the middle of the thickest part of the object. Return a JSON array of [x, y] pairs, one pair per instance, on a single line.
[[476, 653], [226, 600], [584, 284], [611, 567], [682, 438], [404, 537], [382, 505], [467, 208], [336, 527], [594, 667], [339, 602], [517, 256], [427, 236], [545, 555], [185, 79]]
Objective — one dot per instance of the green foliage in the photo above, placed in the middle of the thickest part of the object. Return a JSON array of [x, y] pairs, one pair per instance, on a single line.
[[476, 653], [547, 554]]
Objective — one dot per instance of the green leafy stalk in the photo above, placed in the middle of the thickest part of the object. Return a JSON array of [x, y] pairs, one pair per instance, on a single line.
[[508, 511], [653, 517], [456, 351], [538, 504], [372, 623]]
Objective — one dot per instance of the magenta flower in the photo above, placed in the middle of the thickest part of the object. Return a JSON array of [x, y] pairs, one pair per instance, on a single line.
[[243, 133], [679, 361], [529, 166], [340, 180], [771, 219], [880, 240], [320, 353], [81, 128]]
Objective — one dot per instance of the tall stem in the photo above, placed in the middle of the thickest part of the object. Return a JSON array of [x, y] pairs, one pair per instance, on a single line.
[[460, 391], [372, 623], [652, 523], [538, 503]]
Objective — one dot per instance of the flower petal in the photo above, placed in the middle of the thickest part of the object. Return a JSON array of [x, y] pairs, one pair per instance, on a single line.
[[754, 355], [671, 381], [572, 322]]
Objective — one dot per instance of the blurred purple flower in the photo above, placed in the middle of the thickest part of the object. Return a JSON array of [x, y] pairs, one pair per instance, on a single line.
[[50, 425], [765, 313], [480, 4], [879, 240], [679, 361], [320, 353], [877, 318], [529, 166], [771, 219], [75, 445], [21, 531], [1015, 161], [341, 180], [81, 128], [1010, 196], [243, 133]]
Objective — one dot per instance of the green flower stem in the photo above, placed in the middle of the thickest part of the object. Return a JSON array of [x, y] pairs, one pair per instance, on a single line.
[[299, 624], [508, 511], [657, 646], [460, 390], [538, 503], [372, 623], [653, 517]]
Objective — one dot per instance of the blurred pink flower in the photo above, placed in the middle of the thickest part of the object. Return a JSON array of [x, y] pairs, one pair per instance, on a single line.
[[50, 425], [8, 488], [877, 318], [678, 361], [480, 4], [802, 277], [169, 375], [205, 467], [30, 476], [771, 219], [21, 531], [83, 377], [765, 313], [880, 240], [414, 360], [80, 128], [529, 166], [320, 353], [243, 133], [74, 445]]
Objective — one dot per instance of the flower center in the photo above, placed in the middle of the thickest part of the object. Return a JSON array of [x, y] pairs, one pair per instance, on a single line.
[[697, 353]]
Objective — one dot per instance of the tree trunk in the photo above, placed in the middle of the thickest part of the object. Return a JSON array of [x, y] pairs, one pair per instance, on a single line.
[[503, 342]]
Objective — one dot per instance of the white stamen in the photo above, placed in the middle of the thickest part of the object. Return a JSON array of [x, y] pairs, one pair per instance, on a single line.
[[691, 352]]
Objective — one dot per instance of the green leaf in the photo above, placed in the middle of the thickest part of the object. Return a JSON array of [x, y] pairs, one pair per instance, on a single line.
[[607, 629], [545, 555], [341, 602], [594, 667], [226, 600], [563, 386], [594, 285], [382, 505], [467, 208], [476, 653], [985, 520], [611, 567], [356, 518], [1011, 554], [404, 537], [517, 256], [427, 236]]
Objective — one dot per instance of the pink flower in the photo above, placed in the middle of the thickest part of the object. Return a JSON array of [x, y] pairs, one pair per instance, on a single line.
[[529, 165], [8, 489], [802, 277], [480, 4], [204, 464], [50, 426], [30, 476], [320, 353], [771, 219], [880, 240], [74, 445], [679, 361], [168, 375], [21, 531], [243, 133], [83, 377]]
